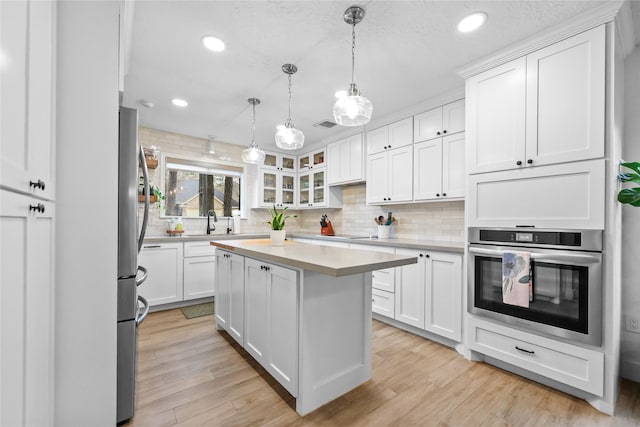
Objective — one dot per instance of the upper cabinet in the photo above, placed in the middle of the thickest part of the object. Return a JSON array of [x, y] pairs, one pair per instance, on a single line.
[[26, 114], [439, 122], [395, 135], [389, 176], [547, 107], [439, 171], [313, 159], [281, 162], [277, 188], [345, 162]]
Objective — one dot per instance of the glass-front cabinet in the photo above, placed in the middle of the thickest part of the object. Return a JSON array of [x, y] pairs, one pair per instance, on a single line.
[[277, 188], [312, 188], [314, 159], [281, 162]]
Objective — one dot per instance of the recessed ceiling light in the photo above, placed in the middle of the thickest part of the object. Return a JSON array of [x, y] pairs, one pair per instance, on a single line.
[[472, 22], [213, 43], [179, 102]]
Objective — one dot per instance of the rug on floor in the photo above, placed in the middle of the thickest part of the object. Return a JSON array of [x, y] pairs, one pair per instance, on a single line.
[[198, 310]]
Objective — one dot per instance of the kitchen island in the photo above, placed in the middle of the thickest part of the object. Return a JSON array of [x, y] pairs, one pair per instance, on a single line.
[[302, 311]]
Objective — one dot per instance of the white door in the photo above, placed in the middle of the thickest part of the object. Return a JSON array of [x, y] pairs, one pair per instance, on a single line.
[[223, 288], [26, 311], [443, 295], [269, 183], [566, 100], [286, 196], [453, 165], [400, 133], [427, 169], [236, 298], [164, 262], [453, 117], [199, 277], [319, 183], [409, 296], [377, 177], [377, 140], [400, 174], [352, 159], [495, 118], [256, 339], [427, 125]]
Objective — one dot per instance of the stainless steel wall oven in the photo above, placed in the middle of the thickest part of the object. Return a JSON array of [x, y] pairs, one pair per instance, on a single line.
[[566, 278]]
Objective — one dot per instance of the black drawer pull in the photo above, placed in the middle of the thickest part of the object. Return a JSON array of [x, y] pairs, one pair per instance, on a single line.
[[38, 208], [525, 351], [37, 184], [152, 246]]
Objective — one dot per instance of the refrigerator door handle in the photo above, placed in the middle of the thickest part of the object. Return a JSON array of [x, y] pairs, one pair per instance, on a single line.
[[145, 218], [141, 316], [145, 273]]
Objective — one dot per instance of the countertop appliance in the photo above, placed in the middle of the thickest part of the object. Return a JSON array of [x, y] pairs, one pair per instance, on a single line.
[[566, 280], [130, 313]]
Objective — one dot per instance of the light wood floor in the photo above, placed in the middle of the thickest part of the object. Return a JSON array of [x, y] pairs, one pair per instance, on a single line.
[[189, 374]]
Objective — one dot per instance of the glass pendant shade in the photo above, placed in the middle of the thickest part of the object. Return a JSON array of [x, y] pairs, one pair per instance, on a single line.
[[352, 110], [289, 138], [253, 155]]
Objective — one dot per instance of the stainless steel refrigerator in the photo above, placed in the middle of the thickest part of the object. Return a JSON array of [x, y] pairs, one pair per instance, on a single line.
[[132, 308]]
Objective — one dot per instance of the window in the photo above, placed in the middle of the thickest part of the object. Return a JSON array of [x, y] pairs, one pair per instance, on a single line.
[[194, 187]]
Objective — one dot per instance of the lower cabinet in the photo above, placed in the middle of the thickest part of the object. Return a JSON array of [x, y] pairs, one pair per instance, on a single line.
[[199, 270], [383, 283], [271, 319], [429, 294], [164, 263], [230, 294]]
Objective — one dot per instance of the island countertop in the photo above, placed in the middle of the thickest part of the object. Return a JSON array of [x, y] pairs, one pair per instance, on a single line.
[[327, 260]]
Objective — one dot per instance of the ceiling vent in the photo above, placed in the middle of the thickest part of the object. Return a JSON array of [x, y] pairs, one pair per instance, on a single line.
[[325, 124]]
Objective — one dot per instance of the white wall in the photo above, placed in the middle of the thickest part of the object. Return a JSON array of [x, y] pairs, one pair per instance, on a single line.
[[86, 228], [630, 342]]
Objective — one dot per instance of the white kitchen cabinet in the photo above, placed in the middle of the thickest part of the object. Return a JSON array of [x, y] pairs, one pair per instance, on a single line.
[[439, 168], [394, 135], [313, 159], [315, 192], [383, 283], [164, 261], [27, 142], [545, 108], [570, 195], [345, 161], [438, 122], [271, 327], [429, 293], [26, 309], [199, 270], [277, 188], [390, 176], [279, 162], [230, 294]]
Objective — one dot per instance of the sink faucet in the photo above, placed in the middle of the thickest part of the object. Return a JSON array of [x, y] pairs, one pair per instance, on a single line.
[[228, 228], [215, 219]]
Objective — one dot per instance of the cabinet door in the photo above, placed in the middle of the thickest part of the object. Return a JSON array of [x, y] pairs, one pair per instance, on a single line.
[[164, 262], [287, 163], [287, 193], [453, 117], [26, 311], [222, 288], [304, 189], [199, 277], [334, 162], [26, 107], [236, 298], [319, 182], [377, 177], [427, 125], [495, 117], [427, 170], [268, 187], [270, 161], [410, 286], [443, 295], [377, 140], [566, 100], [401, 133], [453, 166], [345, 160], [282, 326], [384, 280], [255, 278], [400, 174]]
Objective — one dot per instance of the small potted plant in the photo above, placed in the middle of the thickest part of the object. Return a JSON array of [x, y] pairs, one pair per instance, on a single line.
[[155, 194], [630, 196], [277, 222]]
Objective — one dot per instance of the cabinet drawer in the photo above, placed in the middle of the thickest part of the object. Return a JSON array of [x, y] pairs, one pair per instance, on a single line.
[[383, 303], [192, 249], [575, 366]]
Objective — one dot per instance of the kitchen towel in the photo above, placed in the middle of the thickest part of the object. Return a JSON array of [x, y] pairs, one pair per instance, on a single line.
[[516, 278]]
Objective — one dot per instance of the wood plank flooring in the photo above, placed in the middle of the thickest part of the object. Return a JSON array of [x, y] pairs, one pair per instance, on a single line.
[[189, 374]]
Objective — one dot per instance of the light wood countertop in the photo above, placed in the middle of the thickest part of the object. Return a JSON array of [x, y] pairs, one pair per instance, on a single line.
[[327, 260]]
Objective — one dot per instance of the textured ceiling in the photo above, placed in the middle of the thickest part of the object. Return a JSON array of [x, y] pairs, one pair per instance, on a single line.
[[406, 53]]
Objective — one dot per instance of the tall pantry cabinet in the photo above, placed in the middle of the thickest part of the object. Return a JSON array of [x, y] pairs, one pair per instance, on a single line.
[[27, 207]]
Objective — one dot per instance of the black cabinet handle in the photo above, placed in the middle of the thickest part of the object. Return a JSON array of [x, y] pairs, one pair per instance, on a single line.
[[437, 194], [421, 255], [152, 246], [444, 131], [444, 194], [38, 208], [427, 255], [37, 184], [389, 145], [385, 147], [525, 351], [529, 161], [519, 163], [438, 133]]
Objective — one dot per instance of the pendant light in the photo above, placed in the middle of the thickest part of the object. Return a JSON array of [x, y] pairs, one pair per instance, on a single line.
[[353, 109], [288, 137], [253, 154]]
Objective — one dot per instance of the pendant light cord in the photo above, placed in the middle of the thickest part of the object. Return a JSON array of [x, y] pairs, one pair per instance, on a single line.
[[353, 51], [289, 99], [253, 139]]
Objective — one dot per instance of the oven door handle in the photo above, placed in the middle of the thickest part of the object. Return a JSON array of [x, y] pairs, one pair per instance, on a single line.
[[564, 257]]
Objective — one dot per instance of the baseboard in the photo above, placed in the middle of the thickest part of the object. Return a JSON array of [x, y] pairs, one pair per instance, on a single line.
[[630, 369], [178, 304]]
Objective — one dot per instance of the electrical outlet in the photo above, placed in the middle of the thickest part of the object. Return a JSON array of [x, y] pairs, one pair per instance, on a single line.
[[633, 324]]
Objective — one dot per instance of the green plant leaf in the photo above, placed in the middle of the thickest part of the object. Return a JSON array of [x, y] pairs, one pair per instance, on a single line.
[[634, 166], [630, 196], [524, 279]]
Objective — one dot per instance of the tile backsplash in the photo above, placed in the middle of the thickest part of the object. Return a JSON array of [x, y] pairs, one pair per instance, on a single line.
[[442, 221]]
